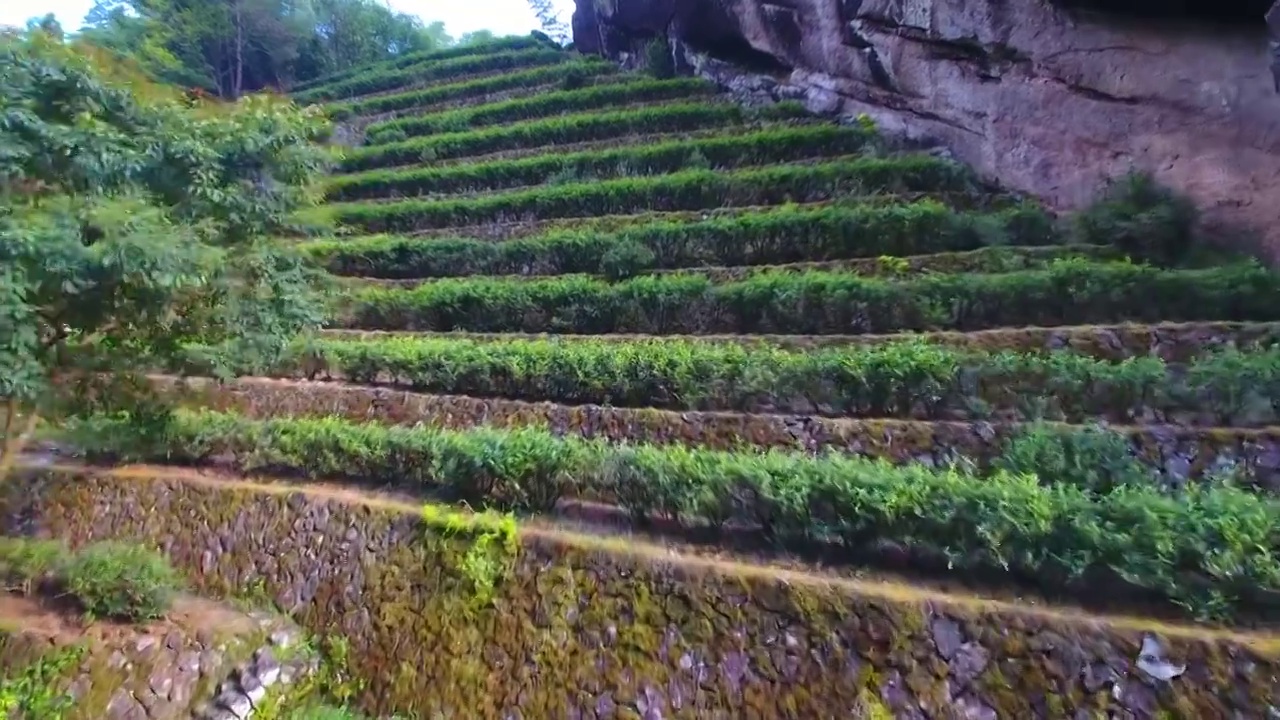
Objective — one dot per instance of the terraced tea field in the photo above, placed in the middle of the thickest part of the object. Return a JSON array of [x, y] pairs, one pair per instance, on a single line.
[[667, 283], [569, 290]]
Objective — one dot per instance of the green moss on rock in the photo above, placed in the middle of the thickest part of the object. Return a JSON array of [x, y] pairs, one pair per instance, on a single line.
[[580, 628]]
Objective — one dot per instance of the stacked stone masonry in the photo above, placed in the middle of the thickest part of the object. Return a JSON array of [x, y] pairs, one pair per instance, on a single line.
[[1180, 453], [168, 675], [580, 629]]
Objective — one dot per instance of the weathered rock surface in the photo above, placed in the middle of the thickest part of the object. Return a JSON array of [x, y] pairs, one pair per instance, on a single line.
[[1047, 100], [1273, 31]]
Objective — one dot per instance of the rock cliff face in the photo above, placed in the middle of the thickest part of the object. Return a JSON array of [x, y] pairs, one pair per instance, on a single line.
[[1044, 98], [1273, 31]]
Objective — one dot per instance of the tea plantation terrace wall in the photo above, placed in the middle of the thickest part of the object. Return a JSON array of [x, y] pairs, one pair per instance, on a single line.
[[595, 298]]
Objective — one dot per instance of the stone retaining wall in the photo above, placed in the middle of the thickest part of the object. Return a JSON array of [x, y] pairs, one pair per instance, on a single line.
[[156, 673], [578, 628]]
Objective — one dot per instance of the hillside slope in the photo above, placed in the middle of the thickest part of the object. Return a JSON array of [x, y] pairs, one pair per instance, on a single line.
[[594, 297]]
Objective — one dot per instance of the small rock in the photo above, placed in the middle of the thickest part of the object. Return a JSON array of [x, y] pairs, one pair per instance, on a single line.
[[252, 687], [1152, 661], [971, 708], [970, 660], [173, 640], [188, 661], [124, 706], [236, 702], [281, 639], [161, 683], [1097, 675], [946, 636]]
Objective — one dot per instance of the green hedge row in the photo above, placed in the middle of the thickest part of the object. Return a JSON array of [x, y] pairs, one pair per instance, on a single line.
[[568, 72], [686, 190], [389, 79], [106, 579], [539, 106], [584, 127], [522, 42], [910, 379], [1207, 547], [1172, 342], [768, 146], [1070, 292], [984, 260], [786, 234]]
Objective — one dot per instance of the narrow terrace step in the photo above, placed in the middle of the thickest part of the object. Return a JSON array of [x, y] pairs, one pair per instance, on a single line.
[[467, 97], [863, 646], [1177, 453], [556, 102], [418, 58], [517, 229], [1171, 342], [685, 190], [575, 128], [779, 235], [908, 379], [761, 147], [392, 80], [562, 74], [1066, 293], [984, 260]]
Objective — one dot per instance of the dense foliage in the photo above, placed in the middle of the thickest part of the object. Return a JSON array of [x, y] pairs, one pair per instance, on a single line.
[[133, 222], [768, 146], [785, 234], [552, 103], [685, 190], [1208, 547], [378, 79], [106, 579], [583, 127], [571, 73], [1068, 293], [232, 47], [905, 378]]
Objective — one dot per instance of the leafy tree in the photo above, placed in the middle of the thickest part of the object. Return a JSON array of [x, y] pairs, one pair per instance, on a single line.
[[132, 226], [476, 37], [549, 17], [230, 47]]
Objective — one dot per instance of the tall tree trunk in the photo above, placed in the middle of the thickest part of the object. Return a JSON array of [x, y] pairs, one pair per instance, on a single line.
[[237, 80]]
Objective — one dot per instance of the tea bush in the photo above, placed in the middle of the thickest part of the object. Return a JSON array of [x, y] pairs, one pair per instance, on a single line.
[[582, 127], [1221, 535], [685, 190], [120, 580], [785, 234], [541, 105], [583, 69], [1069, 292], [106, 579]]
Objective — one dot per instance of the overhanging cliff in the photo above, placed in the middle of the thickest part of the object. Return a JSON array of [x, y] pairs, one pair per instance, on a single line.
[[1045, 97]]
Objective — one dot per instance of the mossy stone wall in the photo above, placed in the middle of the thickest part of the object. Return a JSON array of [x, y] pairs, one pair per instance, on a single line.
[[157, 671], [580, 629]]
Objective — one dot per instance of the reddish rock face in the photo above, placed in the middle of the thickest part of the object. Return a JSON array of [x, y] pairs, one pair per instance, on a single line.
[[1273, 27], [1044, 99]]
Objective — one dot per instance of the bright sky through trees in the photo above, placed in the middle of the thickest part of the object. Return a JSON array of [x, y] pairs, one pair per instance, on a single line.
[[503, 17]]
